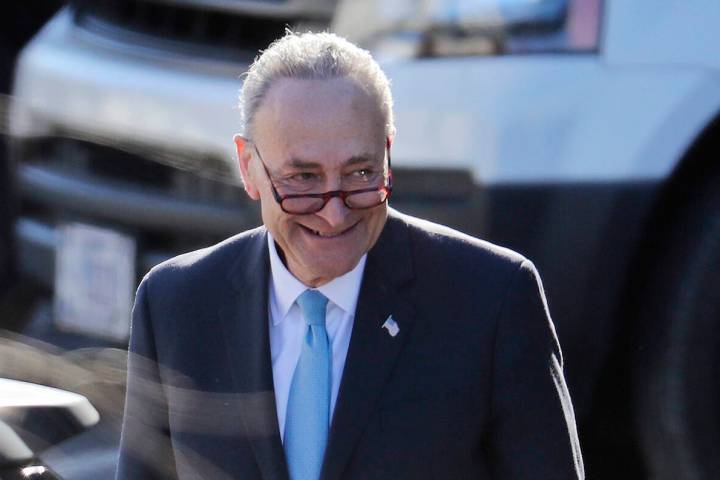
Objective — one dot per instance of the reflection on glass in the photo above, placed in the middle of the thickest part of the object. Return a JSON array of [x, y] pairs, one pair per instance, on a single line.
[[433, 28]]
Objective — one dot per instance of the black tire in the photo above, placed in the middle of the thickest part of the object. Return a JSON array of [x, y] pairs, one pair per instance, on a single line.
[[677, 405], [7, 203]]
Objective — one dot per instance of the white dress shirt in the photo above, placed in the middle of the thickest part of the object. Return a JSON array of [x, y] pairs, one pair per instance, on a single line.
[[287, 327]]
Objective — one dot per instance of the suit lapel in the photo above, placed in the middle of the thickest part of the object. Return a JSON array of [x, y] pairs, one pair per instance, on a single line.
[[245, 323], [373, 351]]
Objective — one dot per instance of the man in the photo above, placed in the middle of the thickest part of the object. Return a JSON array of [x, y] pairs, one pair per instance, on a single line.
[[341, 340]]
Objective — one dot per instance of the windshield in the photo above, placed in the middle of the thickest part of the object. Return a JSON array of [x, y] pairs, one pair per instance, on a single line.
[[430, 28]]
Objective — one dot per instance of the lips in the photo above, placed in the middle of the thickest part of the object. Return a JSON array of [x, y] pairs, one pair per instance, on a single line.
[[320, 234], [326, 235]]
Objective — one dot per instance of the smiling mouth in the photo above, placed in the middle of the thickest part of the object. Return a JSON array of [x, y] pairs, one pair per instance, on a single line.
[[320, 234]]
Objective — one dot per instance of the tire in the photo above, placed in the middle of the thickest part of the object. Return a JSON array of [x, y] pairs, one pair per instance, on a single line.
[[7, 204], [677, 401]]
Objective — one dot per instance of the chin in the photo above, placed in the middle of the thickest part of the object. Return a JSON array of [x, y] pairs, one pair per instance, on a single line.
[[325, 273]]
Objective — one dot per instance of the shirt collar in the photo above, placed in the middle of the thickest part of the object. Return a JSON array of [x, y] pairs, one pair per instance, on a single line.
[[343, 291]]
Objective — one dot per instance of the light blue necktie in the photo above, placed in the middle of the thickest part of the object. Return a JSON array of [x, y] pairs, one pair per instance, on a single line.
[[308, 409]]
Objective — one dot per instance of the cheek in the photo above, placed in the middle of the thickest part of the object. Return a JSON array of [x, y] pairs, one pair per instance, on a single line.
[[283, 227], [271, 212], [376, 224]]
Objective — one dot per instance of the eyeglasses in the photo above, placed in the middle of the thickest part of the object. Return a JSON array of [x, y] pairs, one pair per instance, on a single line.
[[307, 203]]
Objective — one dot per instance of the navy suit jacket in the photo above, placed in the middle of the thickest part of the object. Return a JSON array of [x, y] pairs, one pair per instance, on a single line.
[[470, 387]]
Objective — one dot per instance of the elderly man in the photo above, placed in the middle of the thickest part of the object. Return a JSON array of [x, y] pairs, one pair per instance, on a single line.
[[342, 339]]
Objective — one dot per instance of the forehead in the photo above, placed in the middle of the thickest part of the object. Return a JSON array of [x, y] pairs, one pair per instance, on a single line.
[[327, 121]]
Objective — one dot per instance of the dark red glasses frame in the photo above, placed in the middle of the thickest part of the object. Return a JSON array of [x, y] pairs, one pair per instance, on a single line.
[[342, 194]]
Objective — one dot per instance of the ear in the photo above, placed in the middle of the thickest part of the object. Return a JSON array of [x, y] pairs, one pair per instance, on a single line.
[[388, 145], [244, 155]]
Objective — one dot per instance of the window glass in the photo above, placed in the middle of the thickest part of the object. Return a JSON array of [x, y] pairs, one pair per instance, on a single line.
[[431, 28]]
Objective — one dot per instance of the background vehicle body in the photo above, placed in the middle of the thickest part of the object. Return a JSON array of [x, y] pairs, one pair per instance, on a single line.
[[122, 126], [595, 155], [33, 418], [586, 141], [19, 23]]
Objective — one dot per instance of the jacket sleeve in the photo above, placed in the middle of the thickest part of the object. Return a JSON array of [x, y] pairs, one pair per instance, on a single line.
[[145, 448], [533, 425]]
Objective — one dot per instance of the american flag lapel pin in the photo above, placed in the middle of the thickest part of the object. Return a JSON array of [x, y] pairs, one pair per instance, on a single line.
[[391, 326]]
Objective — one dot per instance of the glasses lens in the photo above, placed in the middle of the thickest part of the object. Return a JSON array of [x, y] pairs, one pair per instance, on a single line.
[[302, 204], [366, 199]]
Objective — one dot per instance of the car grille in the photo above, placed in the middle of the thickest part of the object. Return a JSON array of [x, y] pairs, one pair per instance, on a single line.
[[201, 178], [187, 28]]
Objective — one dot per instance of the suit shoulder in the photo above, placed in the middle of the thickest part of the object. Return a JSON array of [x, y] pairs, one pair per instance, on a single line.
[[441, 243], [208, 262]]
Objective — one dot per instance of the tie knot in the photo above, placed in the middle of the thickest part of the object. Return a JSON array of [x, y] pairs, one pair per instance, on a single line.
[[312, 304]]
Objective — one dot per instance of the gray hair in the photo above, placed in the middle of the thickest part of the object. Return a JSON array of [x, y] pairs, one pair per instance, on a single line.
[[320, 56]]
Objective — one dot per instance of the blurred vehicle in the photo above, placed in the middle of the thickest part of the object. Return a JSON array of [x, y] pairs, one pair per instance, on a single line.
[[20, 21], [581, 133], [32, 418], [7, 200], [586, 140], [122, 123]]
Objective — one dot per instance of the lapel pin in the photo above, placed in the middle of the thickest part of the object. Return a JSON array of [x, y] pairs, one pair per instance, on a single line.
[[391, 326]]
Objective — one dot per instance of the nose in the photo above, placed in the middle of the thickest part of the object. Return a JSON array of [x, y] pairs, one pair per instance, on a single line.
[[334, 212]]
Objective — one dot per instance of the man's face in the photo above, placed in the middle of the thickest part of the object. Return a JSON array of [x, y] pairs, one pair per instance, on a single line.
[[329, 131]]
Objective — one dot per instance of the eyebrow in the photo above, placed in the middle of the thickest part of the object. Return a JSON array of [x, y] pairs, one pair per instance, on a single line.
[[354, 160]]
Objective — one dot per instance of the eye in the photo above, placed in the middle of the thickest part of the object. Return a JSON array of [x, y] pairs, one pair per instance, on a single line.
[[364, 173], [303, 177]]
